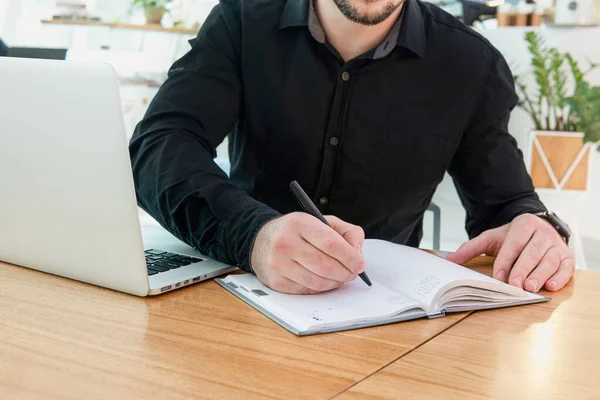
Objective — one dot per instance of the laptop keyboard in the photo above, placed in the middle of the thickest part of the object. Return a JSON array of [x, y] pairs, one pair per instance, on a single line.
[[158, 261]]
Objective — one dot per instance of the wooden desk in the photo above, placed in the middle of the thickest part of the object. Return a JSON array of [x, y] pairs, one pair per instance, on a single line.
[[544, 351], [62, 339]]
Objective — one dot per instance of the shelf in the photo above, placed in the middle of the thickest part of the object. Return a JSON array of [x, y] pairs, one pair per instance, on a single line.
[[114, 25]]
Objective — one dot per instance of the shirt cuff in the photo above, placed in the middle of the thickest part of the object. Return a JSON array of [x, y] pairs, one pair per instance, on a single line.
[[526, 205], [239, 231]]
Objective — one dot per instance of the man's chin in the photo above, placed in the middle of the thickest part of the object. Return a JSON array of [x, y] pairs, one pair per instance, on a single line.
[[368, 12]]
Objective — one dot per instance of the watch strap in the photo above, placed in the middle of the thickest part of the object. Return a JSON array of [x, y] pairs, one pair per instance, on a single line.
[[561, 227]]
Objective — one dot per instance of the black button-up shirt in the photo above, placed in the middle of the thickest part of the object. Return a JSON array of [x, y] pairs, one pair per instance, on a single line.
[[368, 139]]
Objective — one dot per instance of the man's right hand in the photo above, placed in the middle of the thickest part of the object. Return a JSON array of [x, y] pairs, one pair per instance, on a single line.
[[299, 254]]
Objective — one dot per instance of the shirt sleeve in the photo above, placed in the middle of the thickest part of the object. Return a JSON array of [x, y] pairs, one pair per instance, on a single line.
[[488, 168], [173, 149]]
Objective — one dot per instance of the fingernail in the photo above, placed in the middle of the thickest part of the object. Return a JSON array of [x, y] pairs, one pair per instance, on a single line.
[[501, 276], [553, 285], [360, 269], [517, 281], [532, 285]]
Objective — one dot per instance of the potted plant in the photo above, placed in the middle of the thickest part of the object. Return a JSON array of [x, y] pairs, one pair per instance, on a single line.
[[153, 9], [565, 109]]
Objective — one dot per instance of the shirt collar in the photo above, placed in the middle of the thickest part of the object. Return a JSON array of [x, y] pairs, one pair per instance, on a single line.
[[410, 32], [294, 14]]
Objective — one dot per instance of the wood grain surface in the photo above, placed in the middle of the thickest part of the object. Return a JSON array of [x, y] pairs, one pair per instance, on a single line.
[[115, 25], [62, 339], [542, 351]]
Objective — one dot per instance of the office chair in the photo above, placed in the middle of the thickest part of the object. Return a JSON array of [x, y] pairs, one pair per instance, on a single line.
[[437, 224]]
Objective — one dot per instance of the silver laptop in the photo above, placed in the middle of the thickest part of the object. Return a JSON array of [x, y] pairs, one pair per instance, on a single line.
[[67, 199]]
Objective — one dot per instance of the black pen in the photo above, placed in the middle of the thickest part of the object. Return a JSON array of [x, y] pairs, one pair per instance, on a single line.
[[309, 207]]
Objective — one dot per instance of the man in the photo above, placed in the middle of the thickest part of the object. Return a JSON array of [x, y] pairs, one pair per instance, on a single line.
[[367, 103]]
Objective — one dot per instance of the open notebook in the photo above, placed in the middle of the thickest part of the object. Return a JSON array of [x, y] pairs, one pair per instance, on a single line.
[[407, 284]]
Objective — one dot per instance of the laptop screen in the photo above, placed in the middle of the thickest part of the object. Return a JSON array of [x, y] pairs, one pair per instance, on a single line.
[[40, 53]]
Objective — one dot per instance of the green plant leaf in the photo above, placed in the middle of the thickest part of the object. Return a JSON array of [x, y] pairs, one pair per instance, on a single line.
[[575, 70], [549, 103]]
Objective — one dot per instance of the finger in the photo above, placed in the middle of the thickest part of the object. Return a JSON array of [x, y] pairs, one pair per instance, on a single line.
[[562, 276], [353, 234], [333, 244], [545, 269], [486, 243], [513, 245], [284, 285], [321, 264], [530, 257], [302, 276]]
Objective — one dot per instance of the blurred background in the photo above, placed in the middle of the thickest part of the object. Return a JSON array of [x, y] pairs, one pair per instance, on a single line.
[[142, 38]]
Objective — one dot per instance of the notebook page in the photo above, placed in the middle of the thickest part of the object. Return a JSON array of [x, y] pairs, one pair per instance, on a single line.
[[413, 272], [352, 302]]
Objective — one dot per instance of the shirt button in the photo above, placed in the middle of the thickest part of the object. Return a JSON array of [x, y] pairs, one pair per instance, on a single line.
[[334, 141], [345, 76], [324, 201]]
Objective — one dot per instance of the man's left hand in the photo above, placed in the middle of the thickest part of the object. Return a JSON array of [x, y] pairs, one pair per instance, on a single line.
[[530, 254]]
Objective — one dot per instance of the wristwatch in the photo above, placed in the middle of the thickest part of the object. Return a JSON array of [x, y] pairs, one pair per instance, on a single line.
[[561, 226]]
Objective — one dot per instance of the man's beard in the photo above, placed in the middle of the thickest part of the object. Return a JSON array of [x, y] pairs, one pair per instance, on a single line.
[[354, 13]]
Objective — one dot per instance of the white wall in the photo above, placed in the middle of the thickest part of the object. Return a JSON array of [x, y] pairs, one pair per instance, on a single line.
[[131, 53], [128, 50], [582, 43], [3, 8]]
